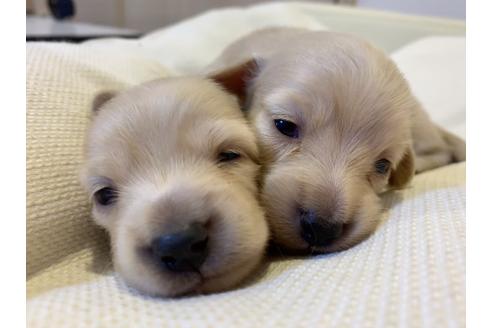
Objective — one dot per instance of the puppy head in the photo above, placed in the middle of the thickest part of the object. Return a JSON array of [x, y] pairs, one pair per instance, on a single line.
[[333, 122], [171, 167]]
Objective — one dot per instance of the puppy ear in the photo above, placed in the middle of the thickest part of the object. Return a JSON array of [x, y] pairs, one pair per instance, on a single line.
[[235, 79], [100, 99], [404, 171]]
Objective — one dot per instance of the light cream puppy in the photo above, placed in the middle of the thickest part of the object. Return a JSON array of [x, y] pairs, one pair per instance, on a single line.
[[337, 126], [171, 168]]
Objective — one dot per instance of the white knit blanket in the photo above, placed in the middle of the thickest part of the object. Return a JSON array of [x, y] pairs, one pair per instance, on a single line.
[[410, 273]]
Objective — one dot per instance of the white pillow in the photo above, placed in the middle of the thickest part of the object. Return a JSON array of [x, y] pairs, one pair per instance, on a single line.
[[435, 69]]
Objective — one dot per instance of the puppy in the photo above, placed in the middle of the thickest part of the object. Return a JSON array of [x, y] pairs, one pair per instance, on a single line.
[[171, 168], [337, 126]]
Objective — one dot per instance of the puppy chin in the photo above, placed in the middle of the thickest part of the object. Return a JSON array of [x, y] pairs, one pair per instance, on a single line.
[[149, 279], [159, 286], [230, 278]]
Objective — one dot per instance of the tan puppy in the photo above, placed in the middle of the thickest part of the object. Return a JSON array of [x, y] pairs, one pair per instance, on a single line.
[[171, 167], [337, 126]]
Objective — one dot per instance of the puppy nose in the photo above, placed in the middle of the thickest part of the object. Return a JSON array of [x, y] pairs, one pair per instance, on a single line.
[[184, 250], [317, 231]]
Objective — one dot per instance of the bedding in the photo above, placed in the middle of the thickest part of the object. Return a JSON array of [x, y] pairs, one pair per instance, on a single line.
[[410, 273]]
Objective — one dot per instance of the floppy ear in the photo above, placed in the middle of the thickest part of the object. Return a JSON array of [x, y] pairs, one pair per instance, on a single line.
[[100, 99], [235, 79], [404, 171]]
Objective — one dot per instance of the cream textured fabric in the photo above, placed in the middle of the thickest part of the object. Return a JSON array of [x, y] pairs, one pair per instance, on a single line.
[[410, 273], [61, 84]]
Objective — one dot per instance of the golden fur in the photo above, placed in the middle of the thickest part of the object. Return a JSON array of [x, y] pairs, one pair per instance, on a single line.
[[157, 144], [352, 107]]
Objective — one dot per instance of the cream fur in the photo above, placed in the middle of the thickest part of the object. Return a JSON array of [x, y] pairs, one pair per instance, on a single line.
[[352, 106], [157, 144]]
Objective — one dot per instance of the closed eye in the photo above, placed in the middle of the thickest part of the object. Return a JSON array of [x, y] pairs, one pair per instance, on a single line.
[[382, 166], [228, 156], [106, 196]]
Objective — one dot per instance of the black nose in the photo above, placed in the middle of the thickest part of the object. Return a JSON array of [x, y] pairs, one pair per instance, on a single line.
[[317, 231], [184, 250]]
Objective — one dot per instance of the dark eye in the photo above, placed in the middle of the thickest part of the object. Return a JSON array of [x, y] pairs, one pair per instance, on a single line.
[[227, 156], [382, 166], [106, 196], [287, 128]]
